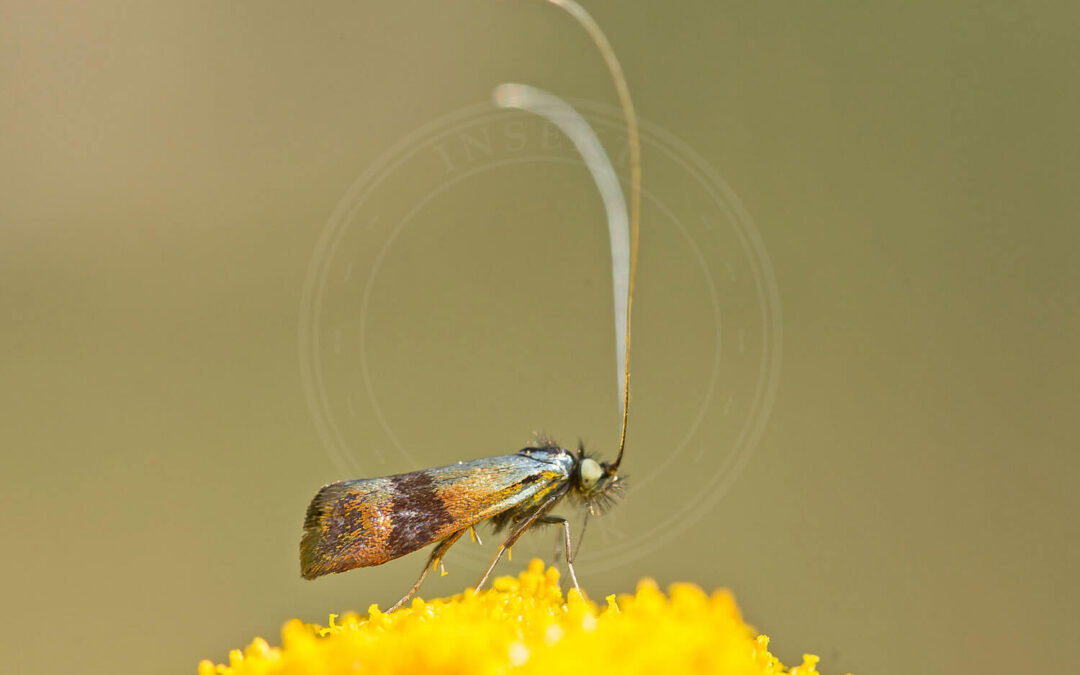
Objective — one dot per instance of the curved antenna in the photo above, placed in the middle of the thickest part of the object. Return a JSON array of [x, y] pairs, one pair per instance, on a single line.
[[570, 122], [601, 41], [624, 265]]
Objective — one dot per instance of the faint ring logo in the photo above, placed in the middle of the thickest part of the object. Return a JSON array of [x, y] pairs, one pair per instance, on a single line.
[[729, 361]]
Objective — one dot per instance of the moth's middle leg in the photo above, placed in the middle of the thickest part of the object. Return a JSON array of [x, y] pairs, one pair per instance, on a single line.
[[513, 536]]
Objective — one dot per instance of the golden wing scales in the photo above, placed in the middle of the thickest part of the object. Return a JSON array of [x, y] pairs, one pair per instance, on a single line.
[[360, 523]]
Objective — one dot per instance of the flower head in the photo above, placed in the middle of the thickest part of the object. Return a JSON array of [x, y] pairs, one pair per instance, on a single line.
[[524, 625]]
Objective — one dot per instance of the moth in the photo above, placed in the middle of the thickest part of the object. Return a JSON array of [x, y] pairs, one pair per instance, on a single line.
[[370, 521]]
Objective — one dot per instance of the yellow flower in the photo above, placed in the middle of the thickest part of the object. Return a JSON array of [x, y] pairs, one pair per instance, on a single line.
[[524, 625]]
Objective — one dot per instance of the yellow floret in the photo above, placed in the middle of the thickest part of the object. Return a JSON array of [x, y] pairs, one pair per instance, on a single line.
[[524, 625]]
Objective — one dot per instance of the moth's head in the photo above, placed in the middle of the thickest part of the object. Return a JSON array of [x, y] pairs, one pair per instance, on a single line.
[[597, 483]]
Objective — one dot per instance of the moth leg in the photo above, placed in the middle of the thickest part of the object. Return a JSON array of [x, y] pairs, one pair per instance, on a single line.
[[555, 520], [517, 532], [435, 556]]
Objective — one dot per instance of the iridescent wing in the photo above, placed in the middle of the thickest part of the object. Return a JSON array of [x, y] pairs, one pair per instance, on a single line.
[[359, 523]]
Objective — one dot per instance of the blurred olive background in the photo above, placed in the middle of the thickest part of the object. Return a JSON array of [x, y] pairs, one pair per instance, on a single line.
[[167, 172]]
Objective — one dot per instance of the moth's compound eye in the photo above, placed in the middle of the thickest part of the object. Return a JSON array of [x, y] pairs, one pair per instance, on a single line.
[[590, 473]]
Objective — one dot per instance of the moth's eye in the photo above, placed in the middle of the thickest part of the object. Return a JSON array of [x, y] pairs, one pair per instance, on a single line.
[[590, 473]]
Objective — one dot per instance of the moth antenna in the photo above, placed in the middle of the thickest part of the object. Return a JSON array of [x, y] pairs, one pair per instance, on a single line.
[[600, 40], [593, 29]]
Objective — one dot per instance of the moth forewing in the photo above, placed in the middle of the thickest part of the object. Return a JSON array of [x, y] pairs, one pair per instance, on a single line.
[[360, 523]]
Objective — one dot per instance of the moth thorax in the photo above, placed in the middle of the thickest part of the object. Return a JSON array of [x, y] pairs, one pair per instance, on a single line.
[[590, 473]]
